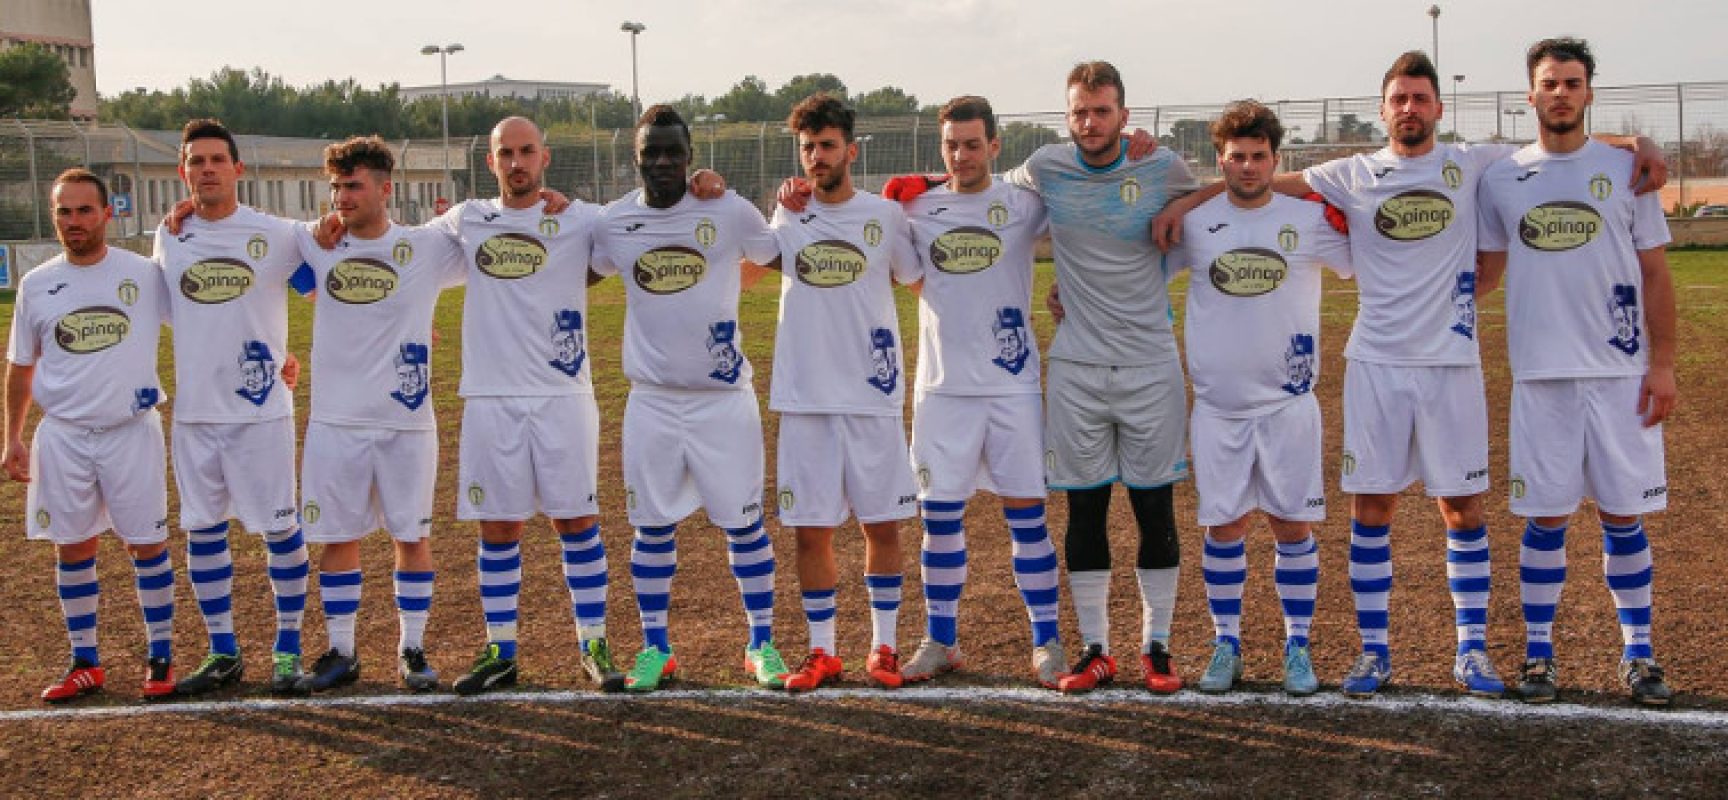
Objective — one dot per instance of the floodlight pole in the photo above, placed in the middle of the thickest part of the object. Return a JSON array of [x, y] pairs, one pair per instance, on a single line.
[[443, 54], [634, 29]]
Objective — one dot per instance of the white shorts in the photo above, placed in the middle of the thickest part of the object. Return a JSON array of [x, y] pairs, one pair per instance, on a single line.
[[1270, 462], [1403, 424], [85, 481], [357, 480], [685, 450], [961, 444], [243, 470], [1580, 438], [1116, 423], [523, 455], [836, 465]]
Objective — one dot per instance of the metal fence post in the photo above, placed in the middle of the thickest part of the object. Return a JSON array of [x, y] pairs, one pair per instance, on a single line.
[[1680, 106], [137, 182], [402, 170], [35, 195]]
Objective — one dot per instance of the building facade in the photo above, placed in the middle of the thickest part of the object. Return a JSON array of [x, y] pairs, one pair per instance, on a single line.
[[62, 26]]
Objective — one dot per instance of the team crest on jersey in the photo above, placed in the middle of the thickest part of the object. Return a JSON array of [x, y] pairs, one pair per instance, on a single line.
[[42, 518], [1299, 364], [1248, 272], [884, 361], [509, 256], [1288, 238], [1452, 174], [998, 214], [706, 233], [145, 399], [787, 500], [411, 375], [216, 280], [670, 269], [830, 263], [630, 498], [965, 250], [1559, 226], [1518, 487], [403, 252], [476, 495], [1347, 463], [723, 347], [128, 292], [549, 227], [257, 372], [569, 342], [1623, 311], [1601, 187], [92, 329], [1414, 215], [359, 281], [1129, 191], [873, 233], [1049, 460], [1012, 350], [923, 474], [311, 512]]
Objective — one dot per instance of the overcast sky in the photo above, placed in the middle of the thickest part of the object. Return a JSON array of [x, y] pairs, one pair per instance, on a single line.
[[1014, 52]]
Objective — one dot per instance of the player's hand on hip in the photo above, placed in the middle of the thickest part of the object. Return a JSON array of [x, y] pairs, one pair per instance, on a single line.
[[176, 217], [17, 459], [794, 194], [329, 231], [1656, 398], [1053, 302], [707, 184], [291, 371]]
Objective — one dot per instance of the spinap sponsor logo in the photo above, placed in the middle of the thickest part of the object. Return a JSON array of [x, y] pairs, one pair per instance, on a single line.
[[360, 281], [1559, 226], [1452, 174], [706, 233], [998, 214], [92, 329], [830, 263], [509, 256], [1414, 215], [965, 250], [1129, 191], [216, 280], [1248, 272], [670, 269]]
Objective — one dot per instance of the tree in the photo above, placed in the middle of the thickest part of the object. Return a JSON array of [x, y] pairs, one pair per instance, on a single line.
[[802, 86], [886, 101], [748, 101], [34, 82]]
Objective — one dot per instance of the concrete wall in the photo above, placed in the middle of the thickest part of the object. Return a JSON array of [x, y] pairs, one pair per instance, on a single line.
[[1699, 232]]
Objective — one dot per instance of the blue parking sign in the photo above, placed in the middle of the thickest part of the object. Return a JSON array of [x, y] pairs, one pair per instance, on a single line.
[[122, 203], [5, 266]]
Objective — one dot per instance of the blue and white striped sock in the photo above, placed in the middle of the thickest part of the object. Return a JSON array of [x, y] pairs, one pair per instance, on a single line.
[[1541, 576], [1371, 583], [1036, 570], [1296, 571], [1467, 575], [210, 566], [1626, 563], [288, 570], [884, 592], [156, 600], [1225, 567], [500, 584], [653, 562], [339, 594], [585, 576], [943, 567], [79, 598], [819, 614], [413, 607], [751, 557]]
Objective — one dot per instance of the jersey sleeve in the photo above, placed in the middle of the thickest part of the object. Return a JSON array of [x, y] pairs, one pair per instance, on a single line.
[[157, 254], [754, 236], [1490, 233], [452, 267], [1485, 154], [21, 348], [600, 257], [1332, 181], [1024, 176], [1649, 225], [1037, 215], [904, 262], [1180, 179], [164, 303], [449, 223], [1331, 247]]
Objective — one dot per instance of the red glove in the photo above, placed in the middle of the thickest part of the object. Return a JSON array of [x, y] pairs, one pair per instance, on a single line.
[[905, 188], [1334, 215]]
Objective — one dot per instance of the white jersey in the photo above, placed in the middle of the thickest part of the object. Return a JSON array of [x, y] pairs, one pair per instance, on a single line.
[[227, 281], [372, 326], [1571, 229], [837, 348], [1413, 239], [1253, 321], [681, 287], [91, 332], [525, 315], [975, 310]]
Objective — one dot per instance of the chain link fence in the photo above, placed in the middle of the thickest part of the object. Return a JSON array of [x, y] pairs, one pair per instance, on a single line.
[[283, 177]]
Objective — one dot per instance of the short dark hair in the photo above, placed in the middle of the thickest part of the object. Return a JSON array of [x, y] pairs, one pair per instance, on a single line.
[[1247, 119], [968, 107], [207, 128], [821, 111], [1412, 64], [371, 152], [82, 175], [1562, 49], [661, 114], [1095, 75]]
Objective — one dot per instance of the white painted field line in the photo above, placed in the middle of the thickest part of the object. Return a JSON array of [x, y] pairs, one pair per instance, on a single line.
[[1400, 704]]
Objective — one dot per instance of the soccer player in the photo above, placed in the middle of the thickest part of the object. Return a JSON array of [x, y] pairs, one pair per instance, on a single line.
[[83, 347], [371, 452], [977, 411], [227, 269], [1414, 404], [1253, 333], [530, 427], [1590, 330], [1117, 406], [839, 390], [692, 432]]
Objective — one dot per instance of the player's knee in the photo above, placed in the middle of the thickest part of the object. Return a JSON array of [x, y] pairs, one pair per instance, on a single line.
[[144, 552], [1462, 513], [882, 533], [1373, 509], [78, 552], [1087, 546], [1230, 532], [813, 541], [1155, 512], [501, 532], [573, 525]]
